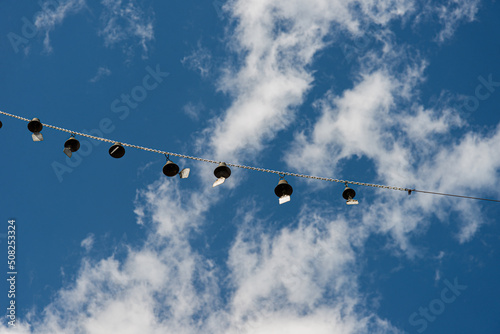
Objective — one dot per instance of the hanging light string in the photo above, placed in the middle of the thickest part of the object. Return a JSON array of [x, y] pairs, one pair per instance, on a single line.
[[265, 170]]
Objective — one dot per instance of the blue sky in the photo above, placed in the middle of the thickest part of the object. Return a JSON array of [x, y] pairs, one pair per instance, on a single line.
[[395, 92]]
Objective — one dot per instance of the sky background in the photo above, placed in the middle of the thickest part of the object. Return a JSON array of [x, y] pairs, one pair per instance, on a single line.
[[395, 92]]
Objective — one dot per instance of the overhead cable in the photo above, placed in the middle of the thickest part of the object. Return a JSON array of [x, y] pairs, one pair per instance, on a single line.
[[265, 170]]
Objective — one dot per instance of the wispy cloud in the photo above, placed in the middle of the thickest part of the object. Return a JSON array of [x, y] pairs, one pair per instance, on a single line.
[[199, 60], [88, 242], [276, 42], [101, 73], [193, 110], [51, 15], [353, 124], [301, 278], [124, 23], [378, 119], [278, 282], [450, 14], [453, 13]]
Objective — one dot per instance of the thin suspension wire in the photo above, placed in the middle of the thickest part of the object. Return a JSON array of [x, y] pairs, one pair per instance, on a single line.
[[460, 196], [265, 170]]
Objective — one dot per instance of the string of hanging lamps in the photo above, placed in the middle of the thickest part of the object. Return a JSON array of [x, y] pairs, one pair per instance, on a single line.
[[283, 190]]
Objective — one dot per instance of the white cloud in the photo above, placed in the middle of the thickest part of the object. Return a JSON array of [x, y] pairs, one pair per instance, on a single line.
[[159, 286], [351, 125], [123, 21], [276, 42], [193, 110], [452, 14], [300, 280], [408, 145], [144, 167], [377, 118], [470, 164], [88, 242], [437, 275], [101, 73], [426, 124], [54, 13]]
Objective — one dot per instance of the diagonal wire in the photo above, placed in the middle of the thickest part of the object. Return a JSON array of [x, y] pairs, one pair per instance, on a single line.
[[265, 170], [459, 196]]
